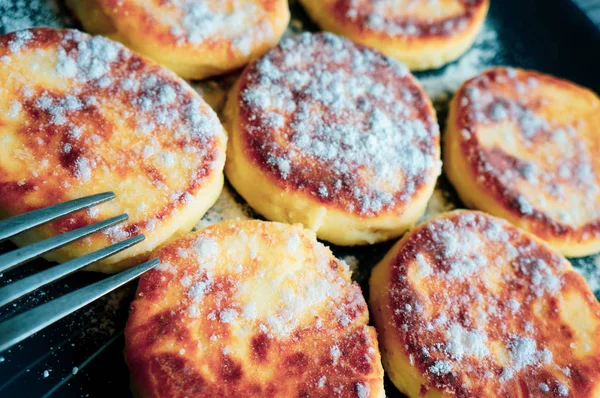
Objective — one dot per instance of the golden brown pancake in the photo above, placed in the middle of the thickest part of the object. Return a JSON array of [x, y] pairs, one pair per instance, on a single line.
[[251, 309], [335, 136], [467, 305], [424, 34], [524, 146], [194, 38], [81, 115]]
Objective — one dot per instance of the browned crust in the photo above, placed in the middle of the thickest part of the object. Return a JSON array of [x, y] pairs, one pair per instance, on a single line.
[[129, 16], [479, 159], [297, 361], [458, 298], [311, 174], [427, 30], [45, 140]]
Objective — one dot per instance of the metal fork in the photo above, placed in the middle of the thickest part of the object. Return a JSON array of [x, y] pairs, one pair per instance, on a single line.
[[23, 325]]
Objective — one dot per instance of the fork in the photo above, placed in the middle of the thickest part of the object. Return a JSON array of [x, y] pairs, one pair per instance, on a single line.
[[21, 326]]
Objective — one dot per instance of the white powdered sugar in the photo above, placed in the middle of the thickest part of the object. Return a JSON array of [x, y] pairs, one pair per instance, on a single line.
[[19, 41], [287, 305], [83, 169], [460, 248], [228, 315], [523, 352], [205, 21], [488, 278], [198, 290], [200, 21], [559, 161], [393, 18], [423, 267], [358, 125], [463, 342], [362, 390], [335, 354], [440, 368], [562, 390], [90, 60]]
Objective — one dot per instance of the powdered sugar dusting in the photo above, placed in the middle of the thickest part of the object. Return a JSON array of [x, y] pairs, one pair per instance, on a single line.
[[487, 279], [404, 18], [463, 342], [287, 303], [352, 111], [306, 296], [109, 116], [199, 23], [556, 179]]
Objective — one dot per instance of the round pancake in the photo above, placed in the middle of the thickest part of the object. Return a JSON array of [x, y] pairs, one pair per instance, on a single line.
[[194, 38], [81, 115], [524, 146], [468, 305], [253, 309], [424, 34], [335, 136]]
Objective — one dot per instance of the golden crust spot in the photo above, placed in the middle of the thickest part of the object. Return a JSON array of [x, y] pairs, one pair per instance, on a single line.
[[481, 308], [194, 25], [342, 123], [414, 20], [305, 333], [84, 115], [529, 142], [194, 38]]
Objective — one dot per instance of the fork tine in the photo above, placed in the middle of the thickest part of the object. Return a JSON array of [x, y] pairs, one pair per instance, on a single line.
[[19, 256], [15, 225], [20, 288], [24, 325]]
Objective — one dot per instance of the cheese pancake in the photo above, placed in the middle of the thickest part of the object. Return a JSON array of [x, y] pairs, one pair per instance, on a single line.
[[424, 34], [251, 309], [335, 136], [524, 146], [194, 38], [81, 115], [468, 305]]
